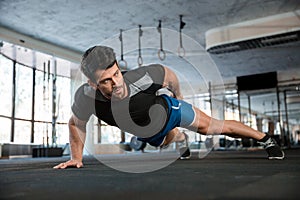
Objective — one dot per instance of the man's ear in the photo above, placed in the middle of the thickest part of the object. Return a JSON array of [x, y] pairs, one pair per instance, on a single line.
[[92, 84]]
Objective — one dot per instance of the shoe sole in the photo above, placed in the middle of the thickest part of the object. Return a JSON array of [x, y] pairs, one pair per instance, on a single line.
[[183, 151], [277, 158], [185, 158]]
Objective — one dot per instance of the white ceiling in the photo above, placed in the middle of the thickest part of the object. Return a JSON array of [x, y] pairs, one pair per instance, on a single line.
[[77, 25], [80, 24]]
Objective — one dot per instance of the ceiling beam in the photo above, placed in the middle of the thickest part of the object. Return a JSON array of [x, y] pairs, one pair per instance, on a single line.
[[39, 45]]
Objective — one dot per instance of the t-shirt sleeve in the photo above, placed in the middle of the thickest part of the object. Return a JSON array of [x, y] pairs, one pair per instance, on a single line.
[[156, 72], [83, 106]]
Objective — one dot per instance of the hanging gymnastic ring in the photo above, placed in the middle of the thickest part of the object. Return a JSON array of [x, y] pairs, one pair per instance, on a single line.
[[161, 54], [181, 52], [140, 60], [122, 64]]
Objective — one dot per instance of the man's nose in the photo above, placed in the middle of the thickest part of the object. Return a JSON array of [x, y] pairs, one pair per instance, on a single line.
[[114, 81]]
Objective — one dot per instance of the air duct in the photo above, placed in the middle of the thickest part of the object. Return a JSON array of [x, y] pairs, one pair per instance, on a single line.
[[268, 31]]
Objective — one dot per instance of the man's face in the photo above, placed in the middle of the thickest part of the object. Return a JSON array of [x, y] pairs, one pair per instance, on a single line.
[[110, 82]]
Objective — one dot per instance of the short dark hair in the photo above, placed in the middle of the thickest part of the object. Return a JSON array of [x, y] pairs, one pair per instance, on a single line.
[[97, 57]]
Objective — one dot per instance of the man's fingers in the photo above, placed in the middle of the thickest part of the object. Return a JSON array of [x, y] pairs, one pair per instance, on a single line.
[[57, 166], [68, 164], [64, 165], [60, 166]]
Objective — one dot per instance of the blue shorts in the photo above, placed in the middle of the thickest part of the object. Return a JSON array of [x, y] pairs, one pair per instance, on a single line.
[[180, 114]]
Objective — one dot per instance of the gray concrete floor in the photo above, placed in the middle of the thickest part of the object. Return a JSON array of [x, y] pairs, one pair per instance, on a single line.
[[220, 175]]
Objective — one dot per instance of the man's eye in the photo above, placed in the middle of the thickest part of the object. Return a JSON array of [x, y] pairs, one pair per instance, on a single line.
[[104, 82]]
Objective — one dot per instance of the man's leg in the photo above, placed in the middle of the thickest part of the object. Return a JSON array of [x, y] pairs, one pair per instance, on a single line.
[[209, 126]]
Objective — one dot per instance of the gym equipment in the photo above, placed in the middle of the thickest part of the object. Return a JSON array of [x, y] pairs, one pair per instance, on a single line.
[[54, 104], [161, 53], [140, 59], [46, 86], [122, 62], [125, 146], [47, 152], [209, 142], [137, 144], [181, 50]]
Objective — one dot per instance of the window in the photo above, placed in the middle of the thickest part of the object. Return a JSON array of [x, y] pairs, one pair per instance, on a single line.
[[5, 124], [40, 132], [63, 86], [110, 134], [42, 97], [6, 75], [23, 102], [22, 132], [19, 126]]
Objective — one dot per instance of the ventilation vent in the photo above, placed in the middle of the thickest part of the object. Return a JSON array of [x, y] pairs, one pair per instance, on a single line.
[[269, 31]]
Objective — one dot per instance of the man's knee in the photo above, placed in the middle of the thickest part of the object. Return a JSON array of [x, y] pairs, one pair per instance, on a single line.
[[215, 127]]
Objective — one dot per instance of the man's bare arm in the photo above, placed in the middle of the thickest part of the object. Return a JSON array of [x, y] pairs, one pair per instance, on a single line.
[[77, 134], [171, 82]]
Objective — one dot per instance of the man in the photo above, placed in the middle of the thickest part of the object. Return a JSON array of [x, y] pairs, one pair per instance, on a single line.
[[135, 102]]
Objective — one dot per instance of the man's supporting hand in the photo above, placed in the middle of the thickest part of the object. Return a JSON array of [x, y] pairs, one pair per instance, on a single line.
[[70, 163]]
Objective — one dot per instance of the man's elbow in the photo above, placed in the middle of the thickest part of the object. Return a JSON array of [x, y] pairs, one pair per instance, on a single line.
[[74, 122]]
